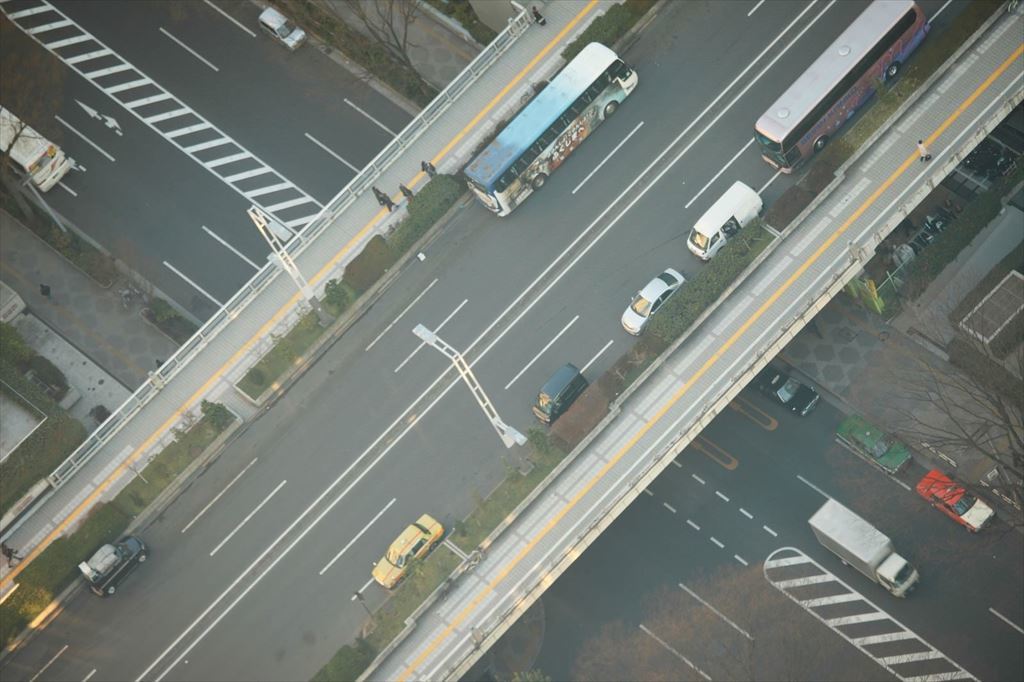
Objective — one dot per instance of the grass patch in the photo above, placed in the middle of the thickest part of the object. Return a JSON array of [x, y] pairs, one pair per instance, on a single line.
[[46, 447], [283, 355], [490, 512], [57, 566]]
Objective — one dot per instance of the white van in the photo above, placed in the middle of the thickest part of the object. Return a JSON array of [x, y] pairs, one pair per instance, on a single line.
[[277, 26], [737, 207]]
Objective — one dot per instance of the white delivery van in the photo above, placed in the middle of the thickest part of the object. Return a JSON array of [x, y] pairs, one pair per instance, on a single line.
[[733, 211]]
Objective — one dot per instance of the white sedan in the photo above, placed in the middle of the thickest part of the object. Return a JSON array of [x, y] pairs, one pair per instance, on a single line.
[[650, 299]]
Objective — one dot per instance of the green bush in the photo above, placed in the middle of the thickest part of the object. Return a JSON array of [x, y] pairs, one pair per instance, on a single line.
[[168, 320], [338, 296], [348, 663], [13, 346], [220, 417], [370, 265], [425, 209], [161, 309], [700, 292], [610, 26], [46, 372], [463, 12]]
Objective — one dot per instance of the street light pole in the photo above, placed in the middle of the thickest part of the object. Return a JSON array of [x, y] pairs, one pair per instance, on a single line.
[[263, 224], [509, 436]]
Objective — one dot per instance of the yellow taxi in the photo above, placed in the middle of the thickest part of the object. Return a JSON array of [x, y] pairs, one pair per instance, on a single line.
[[415, 542]]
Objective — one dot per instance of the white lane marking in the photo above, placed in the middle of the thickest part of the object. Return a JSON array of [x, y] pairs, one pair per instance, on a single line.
[[229, 246], [362, 589], [436, 329], [718, 613], [813, 487], [230, 18], [761, 2], [403, 418], [740, 559], [715, 540], [770, 531], [669, 507], [771, 230], [248, 517], [400, 315], [195, 286], [692, 525], [90, 142], [607, 157], [89, 676], [348, 102], [1005, 619], [219, 495], [68, 189], [189, 49], [357, 536], [935, 16], [648, 492], [719, 173], [678, 465], [678, 655], [770, 181], [746, 513], [599, 353], [721, 496], [698, 479], [327, 149], [542, 351], [48, 663]]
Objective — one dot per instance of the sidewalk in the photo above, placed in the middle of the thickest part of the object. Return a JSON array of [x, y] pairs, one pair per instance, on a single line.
[[89, 317]]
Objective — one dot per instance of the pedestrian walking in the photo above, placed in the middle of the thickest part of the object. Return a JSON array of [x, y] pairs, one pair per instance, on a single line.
[[406, 192], [428, 168], [538, 18], [44, 289], [923, 151], [383, 199], [12, 556]]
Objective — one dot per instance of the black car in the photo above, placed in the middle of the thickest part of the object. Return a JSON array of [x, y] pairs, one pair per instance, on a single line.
[[108, 566], [787, 391]]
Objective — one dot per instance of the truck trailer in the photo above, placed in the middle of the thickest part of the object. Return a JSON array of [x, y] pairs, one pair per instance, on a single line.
[[864, 547]]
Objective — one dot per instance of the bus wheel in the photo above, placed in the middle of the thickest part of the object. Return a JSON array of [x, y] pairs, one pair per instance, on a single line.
[[820, 143], [610, 108], [892, 70], [539, 180]]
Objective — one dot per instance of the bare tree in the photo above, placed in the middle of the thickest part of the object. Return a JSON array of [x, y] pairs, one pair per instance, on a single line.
[[386, 22]]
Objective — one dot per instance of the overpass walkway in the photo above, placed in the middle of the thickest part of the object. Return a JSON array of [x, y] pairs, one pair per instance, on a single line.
[[697, 379], [446, 132]]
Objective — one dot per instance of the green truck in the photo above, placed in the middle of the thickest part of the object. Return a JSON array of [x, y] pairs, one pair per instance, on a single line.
[[870, 442]]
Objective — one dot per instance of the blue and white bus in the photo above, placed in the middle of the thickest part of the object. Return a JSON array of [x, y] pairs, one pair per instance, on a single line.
[[534, 143]]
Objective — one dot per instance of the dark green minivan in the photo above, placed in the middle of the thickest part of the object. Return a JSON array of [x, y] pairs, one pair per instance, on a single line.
[[559, 392]]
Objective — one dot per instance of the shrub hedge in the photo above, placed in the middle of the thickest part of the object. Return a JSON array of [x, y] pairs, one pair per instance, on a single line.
[[425, 209], [370, 265], [610, 26]]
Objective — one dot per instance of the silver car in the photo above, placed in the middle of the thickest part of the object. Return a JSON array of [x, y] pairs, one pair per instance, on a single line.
[[650, 299], [280, 29]]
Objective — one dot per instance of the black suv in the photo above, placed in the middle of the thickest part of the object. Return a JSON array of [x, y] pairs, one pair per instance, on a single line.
[[787, 391], [105, 569]]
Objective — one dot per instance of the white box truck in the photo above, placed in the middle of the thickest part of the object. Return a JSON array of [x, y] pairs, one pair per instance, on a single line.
[[727, 216], [864, 547], [39, 159]]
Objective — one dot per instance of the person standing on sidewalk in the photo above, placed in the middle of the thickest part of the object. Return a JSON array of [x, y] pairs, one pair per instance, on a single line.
[[406, 192], [11, 555], [44, 289], [923, 151], [428, 168], [383, 199], [538, 18]]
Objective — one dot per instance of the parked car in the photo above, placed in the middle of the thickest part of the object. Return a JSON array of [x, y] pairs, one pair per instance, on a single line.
[[559, 392], [109, 565], [415, 542], [787, 391], [950, 498], [278, 27], [871, 443], [649, 299]]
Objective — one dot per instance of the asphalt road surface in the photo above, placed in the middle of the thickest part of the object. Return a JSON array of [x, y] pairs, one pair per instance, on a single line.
[[256, 583], [749, 484], [165, 214]]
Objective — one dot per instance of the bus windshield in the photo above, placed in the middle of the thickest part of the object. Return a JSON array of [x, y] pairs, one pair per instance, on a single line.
[[548, 129], [872, 50]]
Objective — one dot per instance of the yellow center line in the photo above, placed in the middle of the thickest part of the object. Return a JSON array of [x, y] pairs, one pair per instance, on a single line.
[[285, 309], [490, 586]]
